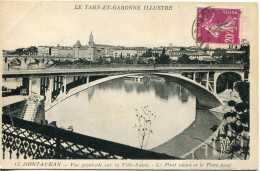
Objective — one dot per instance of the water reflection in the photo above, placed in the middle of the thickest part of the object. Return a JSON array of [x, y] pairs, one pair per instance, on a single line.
[[163, 90], [107, 110]]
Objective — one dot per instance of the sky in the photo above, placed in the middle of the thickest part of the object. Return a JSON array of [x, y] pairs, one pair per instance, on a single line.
[[24, 24]]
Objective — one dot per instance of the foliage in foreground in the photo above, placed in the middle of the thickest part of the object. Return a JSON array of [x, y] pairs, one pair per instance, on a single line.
[[234, 132]]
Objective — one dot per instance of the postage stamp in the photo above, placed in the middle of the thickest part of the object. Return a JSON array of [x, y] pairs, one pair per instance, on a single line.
[[218, 25]]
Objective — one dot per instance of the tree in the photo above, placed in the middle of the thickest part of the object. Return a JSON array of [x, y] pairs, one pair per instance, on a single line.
[[163, 52], [184, 59], [25, 51], [19, 51], [135, 59], [32, 50], [163, 59], [234, 130], [148, 53], [195, 61], [245, 59], [243, 90], [182, 49]]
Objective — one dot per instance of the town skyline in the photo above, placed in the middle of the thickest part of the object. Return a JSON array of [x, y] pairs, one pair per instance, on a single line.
[[85, 43]]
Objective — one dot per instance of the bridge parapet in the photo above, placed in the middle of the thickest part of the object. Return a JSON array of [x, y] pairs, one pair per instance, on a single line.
[[108, 69], [38, 57], [180, 66]]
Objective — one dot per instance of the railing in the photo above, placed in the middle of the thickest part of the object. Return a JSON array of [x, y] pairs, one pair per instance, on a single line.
[[135, 66], [226, 66], [24, 139], [38, 56], [110, 69], [209, 144]]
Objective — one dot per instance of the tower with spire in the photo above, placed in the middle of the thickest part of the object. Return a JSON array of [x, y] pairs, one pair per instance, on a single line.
[[88, 52], [92, 49], [91, 40]]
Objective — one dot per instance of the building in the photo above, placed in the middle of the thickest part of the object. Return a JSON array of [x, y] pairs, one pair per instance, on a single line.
[[88, 52], [201, 57], [98, 52], [128, 52], [91, 52], [44, 50], [191, 52], [244, 42], [62, 51], [125, 52]]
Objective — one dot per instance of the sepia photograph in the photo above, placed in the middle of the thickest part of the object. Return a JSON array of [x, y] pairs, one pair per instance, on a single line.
[[129, 85]]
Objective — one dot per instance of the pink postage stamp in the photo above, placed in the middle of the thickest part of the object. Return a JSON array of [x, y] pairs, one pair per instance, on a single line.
[[218, 25]]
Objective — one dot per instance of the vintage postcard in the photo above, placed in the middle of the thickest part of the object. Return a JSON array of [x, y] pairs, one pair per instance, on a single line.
[[129, 85]]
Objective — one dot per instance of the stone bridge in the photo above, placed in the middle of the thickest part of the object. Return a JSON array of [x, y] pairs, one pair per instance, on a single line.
[[24, 61]]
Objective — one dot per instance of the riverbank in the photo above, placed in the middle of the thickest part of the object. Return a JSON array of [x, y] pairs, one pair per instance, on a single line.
[[199, 131], [191, 137], [226, 96]]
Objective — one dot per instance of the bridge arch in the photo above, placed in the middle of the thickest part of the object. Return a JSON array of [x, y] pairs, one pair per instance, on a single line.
[[48, 61], [37, 61], [205, 98], [226, 80], [15, 61]]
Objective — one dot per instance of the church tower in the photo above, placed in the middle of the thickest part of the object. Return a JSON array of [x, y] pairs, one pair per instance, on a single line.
[[91, 40], [92, 49]]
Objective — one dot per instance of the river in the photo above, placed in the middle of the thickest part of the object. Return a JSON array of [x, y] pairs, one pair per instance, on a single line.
[[109, 111]]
